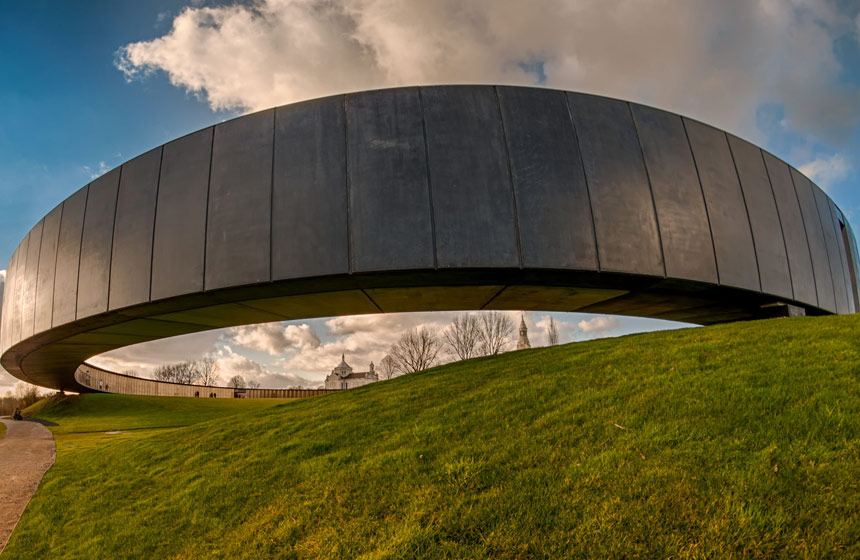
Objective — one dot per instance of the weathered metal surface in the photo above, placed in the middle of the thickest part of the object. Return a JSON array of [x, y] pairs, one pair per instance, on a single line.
[[448, 197]]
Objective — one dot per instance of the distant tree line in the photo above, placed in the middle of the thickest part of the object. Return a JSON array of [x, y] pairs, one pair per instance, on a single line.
[[469, 335], [24, 396]]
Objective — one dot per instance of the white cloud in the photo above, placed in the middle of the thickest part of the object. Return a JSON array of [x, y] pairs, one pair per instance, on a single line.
[[231, 363], [143, 358], [362, 338], [826, 171], [100, 170], [599, 325], [716, 61], [275, 338]]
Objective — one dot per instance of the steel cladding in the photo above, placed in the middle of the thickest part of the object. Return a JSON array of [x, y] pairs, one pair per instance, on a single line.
[[445, 197]]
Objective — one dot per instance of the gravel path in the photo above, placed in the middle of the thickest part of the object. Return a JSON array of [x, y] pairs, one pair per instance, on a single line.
[[26, 452]]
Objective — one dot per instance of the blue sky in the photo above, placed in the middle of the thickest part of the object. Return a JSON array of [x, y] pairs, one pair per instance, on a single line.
[[85, 86]]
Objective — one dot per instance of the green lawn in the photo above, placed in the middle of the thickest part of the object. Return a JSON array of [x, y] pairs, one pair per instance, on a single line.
[[2, 430], [99, 412], [736, 441]]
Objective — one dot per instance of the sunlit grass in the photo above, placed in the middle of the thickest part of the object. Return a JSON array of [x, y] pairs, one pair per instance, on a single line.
[[732, 441]]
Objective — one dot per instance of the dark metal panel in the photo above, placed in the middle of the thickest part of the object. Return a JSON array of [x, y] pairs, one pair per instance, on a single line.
[[730, 225], [764, 218], [624, 219], [554, 215], [841, 241], [389, 197], [794, 234], [29, 281], [815, 237], [18, 289], [473, 204], [687, 245], [853, 262], [179, 242], [9, 307], [68, 258], [47, 266], [240, 196], [834, 259], [309, 215], [96, 242], [132, 238]]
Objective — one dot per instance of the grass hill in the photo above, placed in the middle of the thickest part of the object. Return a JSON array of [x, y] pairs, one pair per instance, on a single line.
[[734, 441]]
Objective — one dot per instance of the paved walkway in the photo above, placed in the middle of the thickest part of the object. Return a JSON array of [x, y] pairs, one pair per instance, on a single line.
[[26, 452]]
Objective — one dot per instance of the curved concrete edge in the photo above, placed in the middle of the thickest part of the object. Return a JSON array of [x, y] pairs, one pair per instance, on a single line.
[[26, 453]]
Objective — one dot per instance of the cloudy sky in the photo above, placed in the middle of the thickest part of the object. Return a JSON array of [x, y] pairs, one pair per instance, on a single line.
[[88, 85]]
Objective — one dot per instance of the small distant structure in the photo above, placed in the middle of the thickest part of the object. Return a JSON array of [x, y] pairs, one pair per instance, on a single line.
[[523, 343], [343, 377]]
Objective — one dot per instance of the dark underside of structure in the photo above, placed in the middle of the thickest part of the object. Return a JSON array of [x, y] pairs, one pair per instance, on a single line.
[[416, 199]]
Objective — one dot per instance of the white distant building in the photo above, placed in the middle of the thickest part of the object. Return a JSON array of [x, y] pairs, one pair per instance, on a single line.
[[342, 376]]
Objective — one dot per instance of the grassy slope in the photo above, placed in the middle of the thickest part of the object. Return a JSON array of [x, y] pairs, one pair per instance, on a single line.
[[2, 430], [100, 412], [731, 441]]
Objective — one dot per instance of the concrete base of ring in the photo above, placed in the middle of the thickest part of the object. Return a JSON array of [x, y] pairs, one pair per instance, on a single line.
[[52, 359]]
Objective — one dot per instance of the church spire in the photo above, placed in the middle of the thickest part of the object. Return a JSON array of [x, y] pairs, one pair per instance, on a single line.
[[523, 342]]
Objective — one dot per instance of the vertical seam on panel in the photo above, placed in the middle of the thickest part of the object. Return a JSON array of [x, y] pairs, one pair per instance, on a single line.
[[80, 251], [19, 286], [113, 234], [36, 279], [838, 239], [840, 242], [429, 182], [155, 221], [650, 188], [778, 219], [704, 199], [584, 178], [826, 249], [853, 262], [272, 198], [746, 209], [56, 255], [806, 234], [206, 218], [509, 166], [349, 263]]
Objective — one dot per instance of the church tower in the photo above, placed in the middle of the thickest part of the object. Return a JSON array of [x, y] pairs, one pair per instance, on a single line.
[[523, 342]]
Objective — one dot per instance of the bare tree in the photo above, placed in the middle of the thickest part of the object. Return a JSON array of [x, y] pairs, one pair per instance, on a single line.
[[552, 332], [253, 384], [387, 368], [496, 331], [207, 370], [182, 372], [200, 372], [166, 372], [417, 349], [463, 336], [236, 382]]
